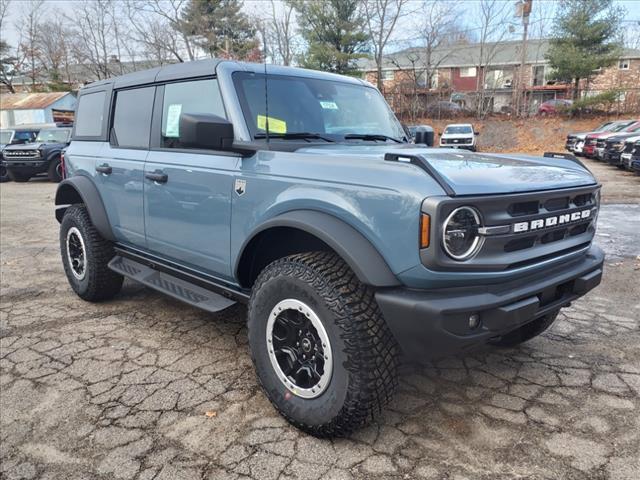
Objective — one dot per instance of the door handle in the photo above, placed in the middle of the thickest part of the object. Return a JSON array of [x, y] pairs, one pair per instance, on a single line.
[[158, 176], [104, 168]]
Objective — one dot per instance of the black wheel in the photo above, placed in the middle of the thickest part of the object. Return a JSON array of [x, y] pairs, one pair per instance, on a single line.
[[54, 171], [85, 255], [321, 348], [526, 332], [18, 177], [4, 175]]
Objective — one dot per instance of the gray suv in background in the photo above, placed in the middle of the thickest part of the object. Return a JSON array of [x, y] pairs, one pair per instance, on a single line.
[[297, 193]]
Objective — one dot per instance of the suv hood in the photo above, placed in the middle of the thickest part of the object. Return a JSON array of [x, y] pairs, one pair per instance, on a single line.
[[34, 146], [468, 173]]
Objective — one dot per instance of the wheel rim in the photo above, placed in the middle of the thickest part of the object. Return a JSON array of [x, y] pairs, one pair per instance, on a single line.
[[299, 348], [76, 253], [59, 169]]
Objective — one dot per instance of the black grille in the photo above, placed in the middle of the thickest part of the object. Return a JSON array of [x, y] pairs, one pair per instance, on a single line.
[[538, 226], [20, 153]]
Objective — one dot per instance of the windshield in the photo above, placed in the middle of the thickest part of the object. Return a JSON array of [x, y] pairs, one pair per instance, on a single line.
[[458, 129], [5, 136], [621, 126], [306, 105], [54, 135]]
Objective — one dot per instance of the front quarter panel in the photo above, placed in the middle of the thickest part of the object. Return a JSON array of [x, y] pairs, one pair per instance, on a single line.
[[350, 189]]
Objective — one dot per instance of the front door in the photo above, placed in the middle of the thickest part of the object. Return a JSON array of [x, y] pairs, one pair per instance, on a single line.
[[120, 164], [188, 192]]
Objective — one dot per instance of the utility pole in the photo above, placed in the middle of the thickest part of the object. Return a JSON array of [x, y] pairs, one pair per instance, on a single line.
[[523, 10]]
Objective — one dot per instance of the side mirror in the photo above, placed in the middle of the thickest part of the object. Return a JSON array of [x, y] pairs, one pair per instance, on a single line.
[[476, 133], [424, 135], [206, 131]]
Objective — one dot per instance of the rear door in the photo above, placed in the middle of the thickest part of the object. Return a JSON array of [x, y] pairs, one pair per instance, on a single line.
[[120, 167], [188, 192]]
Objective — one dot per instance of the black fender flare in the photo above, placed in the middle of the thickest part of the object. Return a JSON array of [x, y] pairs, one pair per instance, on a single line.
[[358, 252], [53, 154], [81, 186]]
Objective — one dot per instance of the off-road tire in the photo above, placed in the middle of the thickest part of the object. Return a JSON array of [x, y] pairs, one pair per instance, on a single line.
[[526, 332], [53, 171], [365, 354], [99, 282], [18, 177], [4, 175]]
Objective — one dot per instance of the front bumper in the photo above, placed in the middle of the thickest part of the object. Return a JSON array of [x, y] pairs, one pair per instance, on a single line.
[[31, 167], [434, 323], [612, 157]]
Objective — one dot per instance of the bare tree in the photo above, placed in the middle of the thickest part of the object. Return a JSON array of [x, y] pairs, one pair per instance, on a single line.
[[382, 17], [54, 51], [436, 28], [29, 24], [283, 31], [170, 11], [93, 35], [10, 59], [492, 24]]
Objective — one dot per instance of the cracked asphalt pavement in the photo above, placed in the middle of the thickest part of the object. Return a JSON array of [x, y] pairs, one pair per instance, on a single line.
[[144, 387]]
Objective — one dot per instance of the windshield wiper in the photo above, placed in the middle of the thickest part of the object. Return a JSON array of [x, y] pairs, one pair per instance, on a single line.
[[295, 136], [370, 136]]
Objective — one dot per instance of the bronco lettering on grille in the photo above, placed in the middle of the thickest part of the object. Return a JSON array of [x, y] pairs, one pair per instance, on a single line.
[[547, 222]]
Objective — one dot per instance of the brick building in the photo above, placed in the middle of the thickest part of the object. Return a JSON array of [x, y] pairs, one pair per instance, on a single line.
[[466, 73]]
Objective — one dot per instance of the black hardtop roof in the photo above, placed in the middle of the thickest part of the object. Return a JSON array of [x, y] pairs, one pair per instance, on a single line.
[[202, 68]]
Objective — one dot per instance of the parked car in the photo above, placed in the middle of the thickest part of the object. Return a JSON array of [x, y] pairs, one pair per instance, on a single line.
[[631, 147], [614, 147], [459, 135], [42, 156], [602, 140], [348, 243], [14, 136], [443, 109], [575, 141], [589, 149], [553, 107]]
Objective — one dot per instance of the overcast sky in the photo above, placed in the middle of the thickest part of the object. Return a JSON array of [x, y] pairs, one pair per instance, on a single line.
[[55, 10]]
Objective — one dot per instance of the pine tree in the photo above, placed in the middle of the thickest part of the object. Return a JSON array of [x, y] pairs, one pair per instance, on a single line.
[[335, 33], [585, 39], [220, 28]]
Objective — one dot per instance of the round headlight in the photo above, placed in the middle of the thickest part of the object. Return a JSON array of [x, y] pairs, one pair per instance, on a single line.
[[460, 237]]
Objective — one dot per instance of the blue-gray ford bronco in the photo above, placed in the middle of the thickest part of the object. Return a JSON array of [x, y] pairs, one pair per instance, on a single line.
[[297, 193]]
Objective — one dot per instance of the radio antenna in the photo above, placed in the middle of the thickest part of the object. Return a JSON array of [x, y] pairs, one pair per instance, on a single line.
[[266, 101]]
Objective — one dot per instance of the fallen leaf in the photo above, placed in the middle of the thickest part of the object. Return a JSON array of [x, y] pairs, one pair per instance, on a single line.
[[211, 413]]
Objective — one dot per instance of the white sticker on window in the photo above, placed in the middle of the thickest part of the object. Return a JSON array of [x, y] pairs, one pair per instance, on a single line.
[[329, 105], [173, 120]]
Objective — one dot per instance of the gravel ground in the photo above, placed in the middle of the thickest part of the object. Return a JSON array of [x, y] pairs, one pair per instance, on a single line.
[[144, 387]]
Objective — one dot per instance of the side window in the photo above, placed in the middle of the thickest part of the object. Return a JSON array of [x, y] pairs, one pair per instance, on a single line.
[[199, 96], [132, 117], [90, 115]]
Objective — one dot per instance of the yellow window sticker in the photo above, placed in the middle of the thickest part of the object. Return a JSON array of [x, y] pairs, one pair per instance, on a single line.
[[275, 125]]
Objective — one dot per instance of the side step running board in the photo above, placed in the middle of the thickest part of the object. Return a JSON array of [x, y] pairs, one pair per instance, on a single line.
[[170, 285]]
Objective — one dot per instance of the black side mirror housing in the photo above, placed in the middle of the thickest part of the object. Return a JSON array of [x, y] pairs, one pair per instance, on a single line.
[[424, 135], [206, 131], [476, 133]]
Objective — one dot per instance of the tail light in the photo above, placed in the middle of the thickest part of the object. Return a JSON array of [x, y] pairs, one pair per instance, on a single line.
[[63, 170]]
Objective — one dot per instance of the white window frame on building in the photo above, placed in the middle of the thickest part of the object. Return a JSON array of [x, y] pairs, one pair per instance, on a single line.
[[468, 72], [624, 64], [534, 68], [388, 75]]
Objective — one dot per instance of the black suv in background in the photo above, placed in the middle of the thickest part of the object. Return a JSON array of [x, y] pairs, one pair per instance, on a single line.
[[42, 156], [15, 136]]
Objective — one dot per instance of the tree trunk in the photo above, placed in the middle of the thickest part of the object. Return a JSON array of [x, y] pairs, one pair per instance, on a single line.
[[379, 69]]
